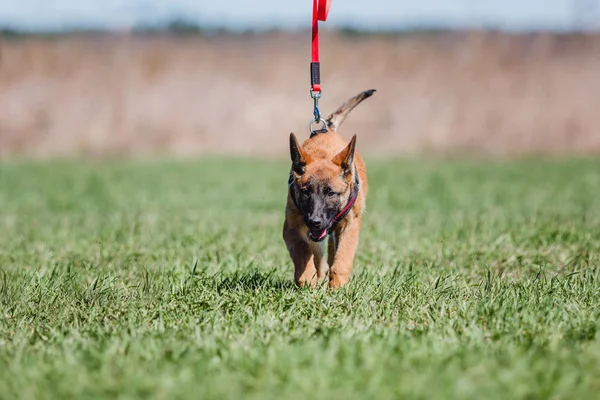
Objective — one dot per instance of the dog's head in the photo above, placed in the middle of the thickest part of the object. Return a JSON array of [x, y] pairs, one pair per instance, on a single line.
[[321, 188]]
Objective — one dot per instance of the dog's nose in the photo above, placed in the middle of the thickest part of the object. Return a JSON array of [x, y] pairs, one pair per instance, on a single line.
[[316, 222]]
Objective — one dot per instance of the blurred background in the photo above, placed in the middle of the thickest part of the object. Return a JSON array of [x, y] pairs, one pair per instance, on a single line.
[[186, 78]]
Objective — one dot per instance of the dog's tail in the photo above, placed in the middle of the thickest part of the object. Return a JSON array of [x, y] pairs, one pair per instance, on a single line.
[[338, 116]]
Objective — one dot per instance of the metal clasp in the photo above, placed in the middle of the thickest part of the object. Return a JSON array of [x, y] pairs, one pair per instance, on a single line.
[[317, 114], [316, 96]]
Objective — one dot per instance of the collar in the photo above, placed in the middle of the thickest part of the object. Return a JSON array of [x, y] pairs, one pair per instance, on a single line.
[[342, 214], [351, 200]]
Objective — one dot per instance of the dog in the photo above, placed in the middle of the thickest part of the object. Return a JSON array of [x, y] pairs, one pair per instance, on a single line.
[[326, 198]]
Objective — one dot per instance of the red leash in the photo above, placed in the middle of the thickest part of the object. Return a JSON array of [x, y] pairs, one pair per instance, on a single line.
[[320, 13]]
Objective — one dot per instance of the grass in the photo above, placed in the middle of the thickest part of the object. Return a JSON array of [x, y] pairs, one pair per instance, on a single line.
[[170, 280]]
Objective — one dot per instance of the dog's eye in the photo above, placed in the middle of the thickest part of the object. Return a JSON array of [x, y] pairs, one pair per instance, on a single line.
[[330, 193], [305, 190]]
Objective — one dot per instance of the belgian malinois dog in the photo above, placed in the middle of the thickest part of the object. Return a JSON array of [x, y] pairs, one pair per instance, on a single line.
[[326, 198]]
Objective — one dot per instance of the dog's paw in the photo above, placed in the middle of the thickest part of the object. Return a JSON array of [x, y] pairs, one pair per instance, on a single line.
[[337, 281], [307, 281]]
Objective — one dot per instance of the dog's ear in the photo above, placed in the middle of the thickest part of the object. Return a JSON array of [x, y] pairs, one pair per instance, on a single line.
[[298, 155], [345, 158]]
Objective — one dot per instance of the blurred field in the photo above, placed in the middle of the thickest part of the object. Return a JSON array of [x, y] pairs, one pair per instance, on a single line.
[[447, 93], [171, 281]]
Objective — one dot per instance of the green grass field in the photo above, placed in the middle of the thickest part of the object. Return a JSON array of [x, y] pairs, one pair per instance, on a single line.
[[170, 280]]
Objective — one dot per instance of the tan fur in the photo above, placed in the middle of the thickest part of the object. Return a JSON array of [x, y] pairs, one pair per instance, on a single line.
[[324, 155]]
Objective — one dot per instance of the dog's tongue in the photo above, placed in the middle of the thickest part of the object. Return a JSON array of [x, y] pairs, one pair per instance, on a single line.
[[323, 233]]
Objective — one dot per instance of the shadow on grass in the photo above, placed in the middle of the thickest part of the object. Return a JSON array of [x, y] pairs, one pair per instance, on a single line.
[[253, 280]]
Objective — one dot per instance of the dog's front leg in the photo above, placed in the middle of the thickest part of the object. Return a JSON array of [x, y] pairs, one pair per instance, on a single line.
[[331, 249], [302, 257], [318, 251], [347, 242]]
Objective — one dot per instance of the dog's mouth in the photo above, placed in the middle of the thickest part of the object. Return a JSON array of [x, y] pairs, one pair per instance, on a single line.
[[317, 235]]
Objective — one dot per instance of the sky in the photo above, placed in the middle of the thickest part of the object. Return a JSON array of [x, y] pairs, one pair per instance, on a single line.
[[265, 14]]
